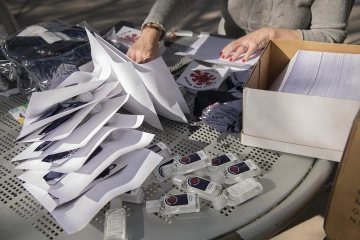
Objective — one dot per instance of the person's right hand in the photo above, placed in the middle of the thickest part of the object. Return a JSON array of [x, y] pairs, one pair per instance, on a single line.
[[146, 48]]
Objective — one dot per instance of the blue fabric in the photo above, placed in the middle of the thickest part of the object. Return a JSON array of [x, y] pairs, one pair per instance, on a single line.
[[226, 116]]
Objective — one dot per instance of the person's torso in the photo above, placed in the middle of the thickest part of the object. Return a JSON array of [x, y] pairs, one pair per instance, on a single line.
[[244, 16]]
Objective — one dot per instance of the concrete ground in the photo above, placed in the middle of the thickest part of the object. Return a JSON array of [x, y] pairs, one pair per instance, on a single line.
[[205, 16]]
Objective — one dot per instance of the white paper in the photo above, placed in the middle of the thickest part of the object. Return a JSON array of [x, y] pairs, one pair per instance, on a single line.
[[37, 106], [29, 152], [139, 102], [207, 48], [75, 215], [74, 183], [77, 161], [324, 74], [82, 135], [158, 65], [63, 130]]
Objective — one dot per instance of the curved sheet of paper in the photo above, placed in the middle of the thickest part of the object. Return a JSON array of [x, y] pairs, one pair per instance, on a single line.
[[78, 160], [37, 106], [74, 183], [160, 84], [82, 135], [63, 130], [35, 177], [29, 152], [157, 65], [75, 215], [139, 102]]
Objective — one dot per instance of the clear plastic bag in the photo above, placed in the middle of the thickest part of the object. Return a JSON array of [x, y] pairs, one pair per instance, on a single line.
[[48, 39], [41, 47], [121, 43], [48, 73]]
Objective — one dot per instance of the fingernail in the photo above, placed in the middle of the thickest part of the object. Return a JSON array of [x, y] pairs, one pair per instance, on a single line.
[[223, 56], [243, 60], [221, 53], [230, 59]]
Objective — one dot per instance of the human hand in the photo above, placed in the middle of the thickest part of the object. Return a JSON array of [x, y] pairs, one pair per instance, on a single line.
[[248, 44], [146, 48]]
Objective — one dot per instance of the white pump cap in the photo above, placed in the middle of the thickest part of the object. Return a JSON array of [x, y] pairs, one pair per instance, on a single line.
[[218, 177], [219, 202], [152, 206], [168, 170], [178, 179]]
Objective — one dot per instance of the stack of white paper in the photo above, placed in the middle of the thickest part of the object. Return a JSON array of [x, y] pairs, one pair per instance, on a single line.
[[207, 48], [197, 77], [82, 152], [324, 74]]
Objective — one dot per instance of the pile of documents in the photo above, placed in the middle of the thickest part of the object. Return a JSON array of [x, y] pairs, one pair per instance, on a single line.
[[197, 77], [324, 74], [82, 152]]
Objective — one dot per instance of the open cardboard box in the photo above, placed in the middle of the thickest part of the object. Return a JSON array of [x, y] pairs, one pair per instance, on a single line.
[[342, 219], [293, 123]]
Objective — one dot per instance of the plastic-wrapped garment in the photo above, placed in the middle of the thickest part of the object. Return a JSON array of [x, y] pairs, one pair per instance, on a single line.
[[48, 73], [227, 116], [122, 44], [7, 69], [43, 40]]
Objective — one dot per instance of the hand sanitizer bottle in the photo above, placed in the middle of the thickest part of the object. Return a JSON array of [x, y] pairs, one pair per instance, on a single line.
[[158, 172], [236, 172], [238, 193], [217, 164], [204, 188], [161, 149], [174, 204], [187, 164], [133, 196], [115, 221]]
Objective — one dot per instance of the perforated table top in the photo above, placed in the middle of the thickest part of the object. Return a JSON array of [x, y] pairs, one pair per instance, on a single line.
[[289, 183]]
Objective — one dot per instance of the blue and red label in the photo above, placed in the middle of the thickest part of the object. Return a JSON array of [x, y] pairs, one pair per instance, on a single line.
[[220, 160], [190, 159], [177, 200], [199, 183], [238, 168], [155, 148]]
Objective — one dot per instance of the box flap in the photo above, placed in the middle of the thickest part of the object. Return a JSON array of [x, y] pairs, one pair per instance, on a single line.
[[343, 214]]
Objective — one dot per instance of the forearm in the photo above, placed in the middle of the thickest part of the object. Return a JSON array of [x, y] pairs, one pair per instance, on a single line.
[[279, 33], [167, 13]]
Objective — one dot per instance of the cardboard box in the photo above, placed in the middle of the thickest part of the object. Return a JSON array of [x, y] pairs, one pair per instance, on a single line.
[[293, 123], [342, 219]]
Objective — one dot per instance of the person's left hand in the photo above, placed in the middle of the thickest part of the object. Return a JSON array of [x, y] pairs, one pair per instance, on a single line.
[[248, 44]]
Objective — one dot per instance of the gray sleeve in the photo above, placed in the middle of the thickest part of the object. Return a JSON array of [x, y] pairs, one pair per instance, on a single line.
[[167, 13], [329, 21]]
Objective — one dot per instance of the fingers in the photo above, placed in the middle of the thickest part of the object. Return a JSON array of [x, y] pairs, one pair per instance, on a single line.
[[239, 51], [230, 48], [252, 48]]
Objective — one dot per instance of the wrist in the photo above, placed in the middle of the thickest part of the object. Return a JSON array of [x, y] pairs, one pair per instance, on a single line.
[[151, 34]]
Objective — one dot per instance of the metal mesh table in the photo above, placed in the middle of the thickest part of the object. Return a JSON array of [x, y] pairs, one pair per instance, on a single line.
[[289, 181]]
